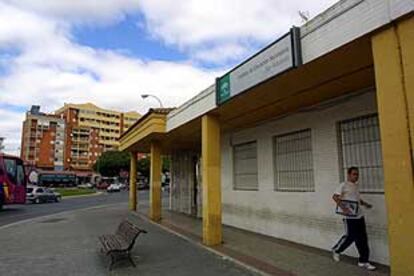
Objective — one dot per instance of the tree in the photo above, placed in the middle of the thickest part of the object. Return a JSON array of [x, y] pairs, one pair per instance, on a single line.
[[166, 163], [143, 166], [110, 163]]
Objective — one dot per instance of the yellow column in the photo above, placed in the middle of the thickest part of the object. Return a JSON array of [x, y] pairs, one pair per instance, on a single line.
[[133, 182], [393, 51], [211, 165], [406, 35], [155, 185]]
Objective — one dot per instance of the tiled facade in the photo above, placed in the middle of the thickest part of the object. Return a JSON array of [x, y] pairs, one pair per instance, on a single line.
[[43, 140], [91, 130]]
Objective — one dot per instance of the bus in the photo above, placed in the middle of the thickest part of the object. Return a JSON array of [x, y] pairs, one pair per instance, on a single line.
[[56, 179], [12, 180]]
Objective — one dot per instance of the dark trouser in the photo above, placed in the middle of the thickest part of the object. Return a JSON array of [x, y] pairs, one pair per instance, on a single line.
[[355, 231]]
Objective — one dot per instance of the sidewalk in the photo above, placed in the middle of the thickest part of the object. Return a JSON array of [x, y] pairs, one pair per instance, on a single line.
[[266, 254], [67, 244]]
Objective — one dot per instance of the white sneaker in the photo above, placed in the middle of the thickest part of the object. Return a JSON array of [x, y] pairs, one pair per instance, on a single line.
[[367, 266], [336, 256]]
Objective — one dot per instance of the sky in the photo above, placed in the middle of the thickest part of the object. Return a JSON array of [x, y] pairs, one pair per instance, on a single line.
[[109, 52]]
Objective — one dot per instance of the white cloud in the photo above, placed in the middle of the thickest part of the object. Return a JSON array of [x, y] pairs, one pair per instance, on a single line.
[[80, 11], [50, 69], [221, 54], [47, 67], [23, 29], [191, 24], [10, 125]]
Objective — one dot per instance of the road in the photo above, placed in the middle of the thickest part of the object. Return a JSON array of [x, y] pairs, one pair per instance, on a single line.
[[15, 213]]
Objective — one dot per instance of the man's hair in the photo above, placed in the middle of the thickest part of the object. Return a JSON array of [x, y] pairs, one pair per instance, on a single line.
[[350, 169]]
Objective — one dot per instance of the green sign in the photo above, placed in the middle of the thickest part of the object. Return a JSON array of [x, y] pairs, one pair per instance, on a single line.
[[223, 88], [275, 59]]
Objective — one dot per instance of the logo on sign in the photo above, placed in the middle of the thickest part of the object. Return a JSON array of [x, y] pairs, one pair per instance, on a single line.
[[224, 88]]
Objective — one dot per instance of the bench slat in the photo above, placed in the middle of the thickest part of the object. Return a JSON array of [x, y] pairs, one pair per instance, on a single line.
[[122, 241]]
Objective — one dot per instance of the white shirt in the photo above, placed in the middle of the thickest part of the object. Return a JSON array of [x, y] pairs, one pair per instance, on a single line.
[[350, 191]]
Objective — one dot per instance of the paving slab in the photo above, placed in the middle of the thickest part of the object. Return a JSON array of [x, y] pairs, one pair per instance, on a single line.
[[67, 244], [266, 254]]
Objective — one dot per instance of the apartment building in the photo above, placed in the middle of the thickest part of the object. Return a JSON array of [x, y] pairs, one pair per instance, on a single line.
[[91, 130], [43, 140]]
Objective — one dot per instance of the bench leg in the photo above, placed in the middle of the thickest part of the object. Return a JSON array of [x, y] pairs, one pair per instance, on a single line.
[[112, 262], [130, 259]]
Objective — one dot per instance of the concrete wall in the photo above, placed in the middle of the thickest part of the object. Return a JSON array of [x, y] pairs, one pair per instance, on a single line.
[[193, 108], [346, 21], [342, 23], [303, 217]]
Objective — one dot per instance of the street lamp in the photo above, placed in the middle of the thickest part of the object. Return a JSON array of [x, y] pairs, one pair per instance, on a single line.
[[144, 96]]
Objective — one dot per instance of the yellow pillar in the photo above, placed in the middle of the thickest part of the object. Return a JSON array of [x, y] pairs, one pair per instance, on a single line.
[[155, 185], [211, 165], [393, 51], [133, 182]]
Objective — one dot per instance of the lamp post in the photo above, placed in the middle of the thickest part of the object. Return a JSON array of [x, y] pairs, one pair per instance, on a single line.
[[144, 96]]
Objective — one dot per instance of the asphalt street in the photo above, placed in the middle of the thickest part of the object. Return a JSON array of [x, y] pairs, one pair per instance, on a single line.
[[15, 213]]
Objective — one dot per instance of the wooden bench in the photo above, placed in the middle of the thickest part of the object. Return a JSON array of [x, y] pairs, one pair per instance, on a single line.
[[121, 243]]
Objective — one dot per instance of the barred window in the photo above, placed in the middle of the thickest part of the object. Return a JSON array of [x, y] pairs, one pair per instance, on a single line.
[[360, 146], [245, 166], [294, 162]]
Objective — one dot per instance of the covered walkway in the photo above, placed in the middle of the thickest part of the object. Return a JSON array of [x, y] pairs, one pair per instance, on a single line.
[[263, 253]]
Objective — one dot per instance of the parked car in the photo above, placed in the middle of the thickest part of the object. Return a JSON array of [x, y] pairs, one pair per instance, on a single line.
[[122, 186], [35, 194], [113, 188], [85, 186], [102, 186], [142, 185]]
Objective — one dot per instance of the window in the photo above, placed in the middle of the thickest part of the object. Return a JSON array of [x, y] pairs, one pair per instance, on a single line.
[[245, 166], [20, 175], [11, 168], [294, 162], [360, 146]]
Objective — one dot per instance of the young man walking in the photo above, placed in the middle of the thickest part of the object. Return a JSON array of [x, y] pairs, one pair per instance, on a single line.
[[354, 221]]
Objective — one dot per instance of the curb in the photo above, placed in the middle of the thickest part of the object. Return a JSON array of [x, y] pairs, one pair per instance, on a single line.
[[86, 195], [212, 250]]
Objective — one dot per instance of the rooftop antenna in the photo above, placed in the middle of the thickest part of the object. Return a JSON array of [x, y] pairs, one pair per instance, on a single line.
[[304, 15]]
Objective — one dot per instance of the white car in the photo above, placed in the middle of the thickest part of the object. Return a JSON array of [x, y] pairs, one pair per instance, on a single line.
[[113, 188], [85, 186]]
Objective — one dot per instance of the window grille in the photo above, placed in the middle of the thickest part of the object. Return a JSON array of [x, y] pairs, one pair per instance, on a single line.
[[294, 162], [245, 166], [360, 146]]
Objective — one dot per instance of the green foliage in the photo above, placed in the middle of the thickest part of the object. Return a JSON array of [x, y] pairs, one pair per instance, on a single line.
[[144, 166], [74, 191], [166, 162], [111, 162]]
